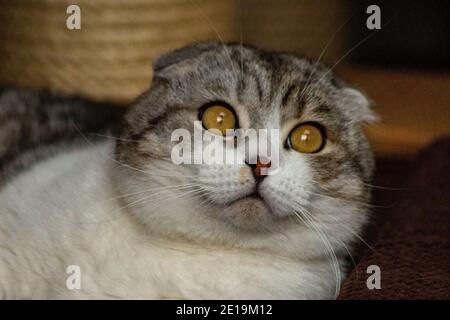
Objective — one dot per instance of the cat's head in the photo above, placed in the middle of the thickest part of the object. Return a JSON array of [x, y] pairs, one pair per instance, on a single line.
[[324, 163]]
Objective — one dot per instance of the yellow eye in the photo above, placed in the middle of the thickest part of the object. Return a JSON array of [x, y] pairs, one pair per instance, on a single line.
[[219, 117], [307, 138]]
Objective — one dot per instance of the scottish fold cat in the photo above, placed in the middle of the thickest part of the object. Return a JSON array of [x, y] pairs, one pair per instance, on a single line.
[[92, 205]]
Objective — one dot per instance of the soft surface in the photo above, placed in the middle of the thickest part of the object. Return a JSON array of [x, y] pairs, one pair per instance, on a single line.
[[412, 243]]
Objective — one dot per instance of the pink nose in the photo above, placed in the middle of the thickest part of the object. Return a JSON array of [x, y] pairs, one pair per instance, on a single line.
[[257, 168]]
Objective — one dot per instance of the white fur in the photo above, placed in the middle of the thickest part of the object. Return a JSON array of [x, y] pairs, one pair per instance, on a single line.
[[64, 211]]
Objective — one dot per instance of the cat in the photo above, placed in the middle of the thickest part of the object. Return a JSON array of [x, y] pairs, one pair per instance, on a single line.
[[87, 185]]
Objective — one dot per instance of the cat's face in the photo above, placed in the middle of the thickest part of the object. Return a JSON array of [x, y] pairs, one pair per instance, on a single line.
[[322, 184]]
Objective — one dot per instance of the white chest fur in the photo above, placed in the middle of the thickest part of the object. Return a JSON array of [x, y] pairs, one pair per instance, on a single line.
[[64, 212]]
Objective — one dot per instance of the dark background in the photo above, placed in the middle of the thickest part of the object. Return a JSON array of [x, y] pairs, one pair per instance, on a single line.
[[415, 34]]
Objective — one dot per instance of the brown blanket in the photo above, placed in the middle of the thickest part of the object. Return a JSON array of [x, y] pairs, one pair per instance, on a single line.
[[410, 239]]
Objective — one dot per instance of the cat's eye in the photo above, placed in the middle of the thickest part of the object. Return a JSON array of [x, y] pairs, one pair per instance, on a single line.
[[219, 117], [307, 138]]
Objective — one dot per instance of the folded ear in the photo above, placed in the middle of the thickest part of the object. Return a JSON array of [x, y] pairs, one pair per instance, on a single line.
[[185, 53], [357, 106]]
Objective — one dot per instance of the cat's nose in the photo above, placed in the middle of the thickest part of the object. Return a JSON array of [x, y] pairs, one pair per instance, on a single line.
[[258, 168]]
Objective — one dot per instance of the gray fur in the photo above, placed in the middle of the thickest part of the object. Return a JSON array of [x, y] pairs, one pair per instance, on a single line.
[[225, 206], [265, 83], [36, 124]]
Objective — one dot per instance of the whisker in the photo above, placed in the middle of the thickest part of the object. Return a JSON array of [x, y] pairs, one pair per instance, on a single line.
[[359, 43], [141, 192], [340, 241], [192, 193], [370, 35], [138, 201], [111, 137], [330, 40], [212, 26], [128, 166], [320, 195], [384, 187], [327, 245], [241, 35], [107, 157], [347, 228]]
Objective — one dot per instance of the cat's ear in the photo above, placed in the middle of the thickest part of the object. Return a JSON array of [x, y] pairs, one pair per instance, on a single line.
[[181, 54], [357, 106]]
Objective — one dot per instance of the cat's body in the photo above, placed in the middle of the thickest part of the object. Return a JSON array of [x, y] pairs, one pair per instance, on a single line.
[[136, 227], [117, 257]]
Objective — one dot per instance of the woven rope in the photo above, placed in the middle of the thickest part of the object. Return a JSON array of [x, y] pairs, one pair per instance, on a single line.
[[110, 57]]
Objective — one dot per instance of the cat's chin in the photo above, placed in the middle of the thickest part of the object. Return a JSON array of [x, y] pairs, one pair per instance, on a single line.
[[249, 213]]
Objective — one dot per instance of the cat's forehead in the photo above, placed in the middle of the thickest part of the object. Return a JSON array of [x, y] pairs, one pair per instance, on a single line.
[[228, 64], [265, 82], [270, 88]]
